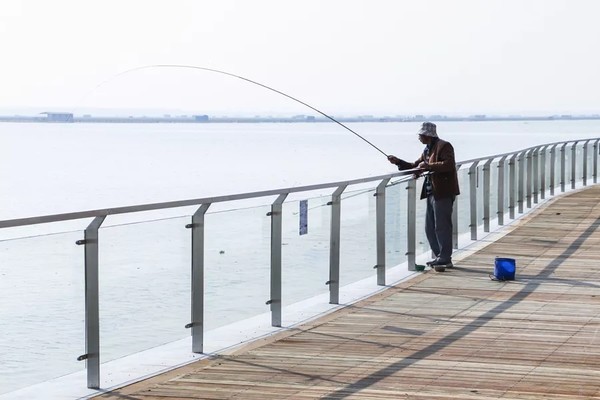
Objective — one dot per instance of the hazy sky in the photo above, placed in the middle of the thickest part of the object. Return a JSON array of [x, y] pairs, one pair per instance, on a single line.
[[383, 57]]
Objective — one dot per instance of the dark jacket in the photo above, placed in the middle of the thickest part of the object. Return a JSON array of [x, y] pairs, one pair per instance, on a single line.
[[444, 179]]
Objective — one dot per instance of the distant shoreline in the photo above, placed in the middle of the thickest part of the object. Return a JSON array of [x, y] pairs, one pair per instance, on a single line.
[[204, 119]]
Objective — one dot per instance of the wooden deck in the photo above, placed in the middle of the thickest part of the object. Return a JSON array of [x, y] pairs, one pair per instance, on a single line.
[[450, 335]]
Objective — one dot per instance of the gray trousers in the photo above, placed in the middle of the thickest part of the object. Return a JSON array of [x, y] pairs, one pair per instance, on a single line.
[[438, 226]]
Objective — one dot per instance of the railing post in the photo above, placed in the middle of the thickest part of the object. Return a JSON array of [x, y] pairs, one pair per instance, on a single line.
[[334, 246], [573, 165], [595, 162], [512, 185], [486, 195], [501, 190], [536, 175], [529, 177], [585, 163], [521, 184], [92, 306], [197, 294], [543, 172], [276, 238], [411, 211], [473, 199], [552, 169], [380, 228], [563, 171]]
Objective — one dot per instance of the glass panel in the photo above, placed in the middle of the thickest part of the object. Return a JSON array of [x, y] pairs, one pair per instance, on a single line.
[[305, 258], [521, 178], [463, 208], [595, 150], [507, 189], [590, 162], [422, 245], [556, 157], [493, 193], [562, 172], [396, 217], [238, 265], [358, 240], [480, 197], [144, 285], [569, 177], [543, 161], [580, 162], [43, 309], [544, 171], [567, 167], [528, 180]]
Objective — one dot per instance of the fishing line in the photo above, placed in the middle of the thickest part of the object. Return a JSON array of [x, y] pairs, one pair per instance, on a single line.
[[244, 79]]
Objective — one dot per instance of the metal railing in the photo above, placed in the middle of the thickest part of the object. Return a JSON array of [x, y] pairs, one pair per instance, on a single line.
[[508, 183]]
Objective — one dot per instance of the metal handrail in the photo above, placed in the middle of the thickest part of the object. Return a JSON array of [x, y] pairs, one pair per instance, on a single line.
[[191, 202], [524, 150], [240, 196]]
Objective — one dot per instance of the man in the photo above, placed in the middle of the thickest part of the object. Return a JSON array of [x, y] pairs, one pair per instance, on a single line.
[[440, 188]]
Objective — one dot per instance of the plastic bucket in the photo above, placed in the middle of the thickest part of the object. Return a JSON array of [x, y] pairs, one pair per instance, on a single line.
[[504, 269]]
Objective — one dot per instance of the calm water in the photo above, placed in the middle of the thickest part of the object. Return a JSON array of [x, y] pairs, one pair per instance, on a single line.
[[144, 277], [53, 168]]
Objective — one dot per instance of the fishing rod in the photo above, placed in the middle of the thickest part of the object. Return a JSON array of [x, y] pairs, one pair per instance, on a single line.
[[247, 80]]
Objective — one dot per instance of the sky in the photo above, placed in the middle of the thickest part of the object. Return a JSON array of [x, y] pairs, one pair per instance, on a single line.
[[345, 57]]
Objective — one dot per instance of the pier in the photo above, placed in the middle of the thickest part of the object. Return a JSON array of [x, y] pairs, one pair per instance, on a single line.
[[374, 329], [451, 335]]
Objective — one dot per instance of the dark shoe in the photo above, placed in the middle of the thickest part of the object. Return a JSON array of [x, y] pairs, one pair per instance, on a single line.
[[440, 266], [430, 263]]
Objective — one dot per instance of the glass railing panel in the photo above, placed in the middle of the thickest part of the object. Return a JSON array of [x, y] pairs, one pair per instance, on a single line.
[[237, 265], [305, 252], [42, 312], [463, 206], [568, 166], [493, 201], [507, 190], [589, 161], [546, 170], [556, 156], [144, 285], [358, 238], [521, 182], [396, 217], [421, 243], [559, 166], [580, 162], [480, 194]]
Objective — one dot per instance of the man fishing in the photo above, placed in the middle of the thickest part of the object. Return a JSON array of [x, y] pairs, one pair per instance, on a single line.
[[440, 188]]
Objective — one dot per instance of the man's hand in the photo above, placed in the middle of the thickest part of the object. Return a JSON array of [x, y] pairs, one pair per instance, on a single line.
[[423, 165], [394, 160]]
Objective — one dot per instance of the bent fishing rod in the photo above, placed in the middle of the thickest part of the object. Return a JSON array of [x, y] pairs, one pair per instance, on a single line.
[[247, 80]]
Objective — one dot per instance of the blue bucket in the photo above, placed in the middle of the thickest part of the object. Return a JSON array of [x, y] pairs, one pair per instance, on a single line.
[[504, 269]]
